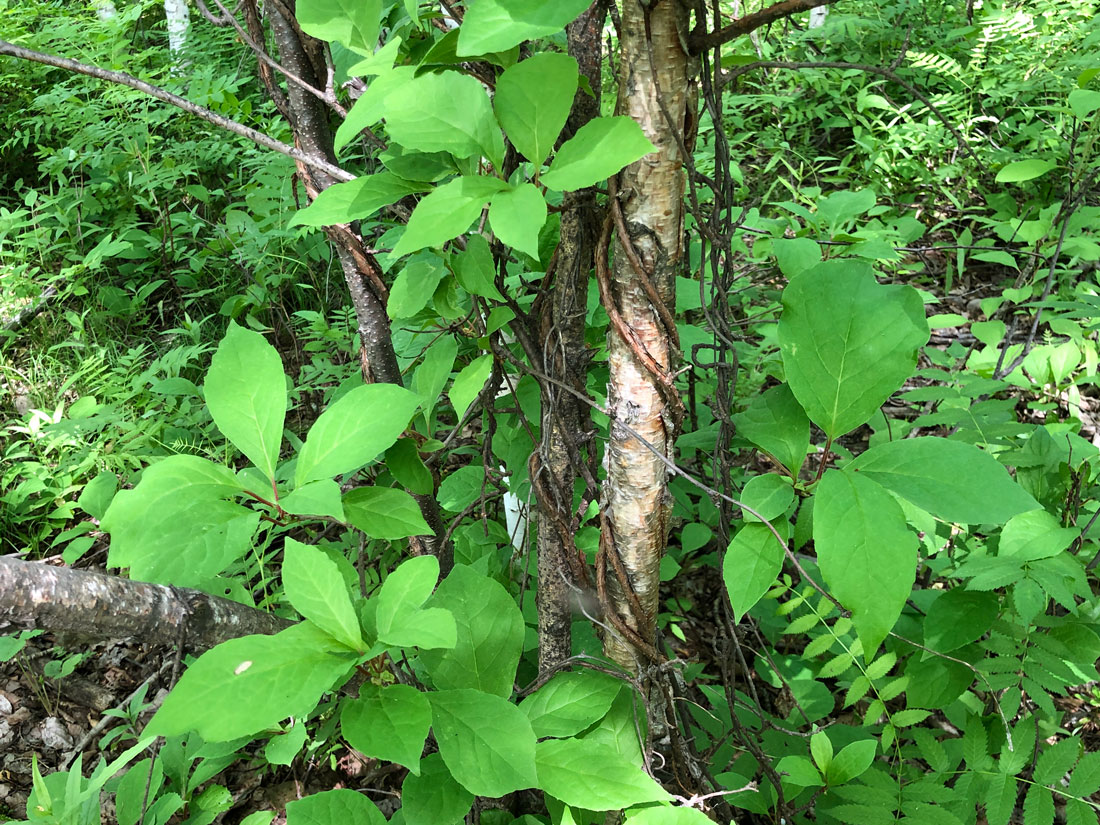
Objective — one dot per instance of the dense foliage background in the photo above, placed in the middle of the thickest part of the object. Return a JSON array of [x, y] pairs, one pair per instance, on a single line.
[[918, 159]]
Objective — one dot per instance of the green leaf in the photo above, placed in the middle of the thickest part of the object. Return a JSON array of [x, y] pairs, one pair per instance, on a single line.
[[570, 703], [415, 284], [434, 797], [246, 394], [796, 255], [173, 528], [1000, 799], [389, 723], [867, 555], [1085, 779], [1083, 102], [447, 212], [355, 200], [667, 815], [370, 108], [336, 807], [1022, 170], [848, 342], [498, 25], [431, 376], [318, 498], [852, 761], [770, 495], [1079, 812], [97, 494], [404, 462], [444, 112], [315, 588], [385, 513], [1038, 806], [776, 423], [353, 23], [958, 617], [951, 480], [351, 432], [517, 215], [282, 748], [399, 617], [600, 148], [821, 749], [474, 269], [485, 741], [248, 684], [751, 564], [1056, 761], [490, 635], [1034, 535], [799, 771], [461, 488], [533, 100], [468, 383], [589, 775]]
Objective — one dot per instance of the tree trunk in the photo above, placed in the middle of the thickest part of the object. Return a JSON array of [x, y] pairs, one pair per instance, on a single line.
[[564, 417], [63, 600], [642, 348]]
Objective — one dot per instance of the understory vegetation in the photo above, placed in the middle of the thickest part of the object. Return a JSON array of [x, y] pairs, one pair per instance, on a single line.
[[383, 391]]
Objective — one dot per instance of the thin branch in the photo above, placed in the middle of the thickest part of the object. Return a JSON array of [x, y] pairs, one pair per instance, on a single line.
[[751, 22], [259, 138]]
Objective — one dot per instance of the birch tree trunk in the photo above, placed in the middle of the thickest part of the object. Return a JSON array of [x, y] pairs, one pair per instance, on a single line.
[[641, 344], [179, 21]]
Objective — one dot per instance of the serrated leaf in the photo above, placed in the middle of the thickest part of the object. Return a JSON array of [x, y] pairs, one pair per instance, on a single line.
[[245, 392], [389, 723], [570, 702], [867, 554], [486, 742], [315, 588], [351, 432], [1038, 806], [951, 480], [848, 342], [1000, 799], [1085, 779], [905, 718], [385, 513], [1056, 760], [567, 771], [597, 151], [248, 684]]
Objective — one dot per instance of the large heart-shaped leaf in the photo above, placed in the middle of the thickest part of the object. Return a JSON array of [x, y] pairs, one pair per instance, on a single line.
[[848, 342]]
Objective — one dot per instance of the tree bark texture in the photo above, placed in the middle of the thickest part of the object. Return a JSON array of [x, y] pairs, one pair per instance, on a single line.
[[63, 600], [642, 347], [304, 57], [564, 417]]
